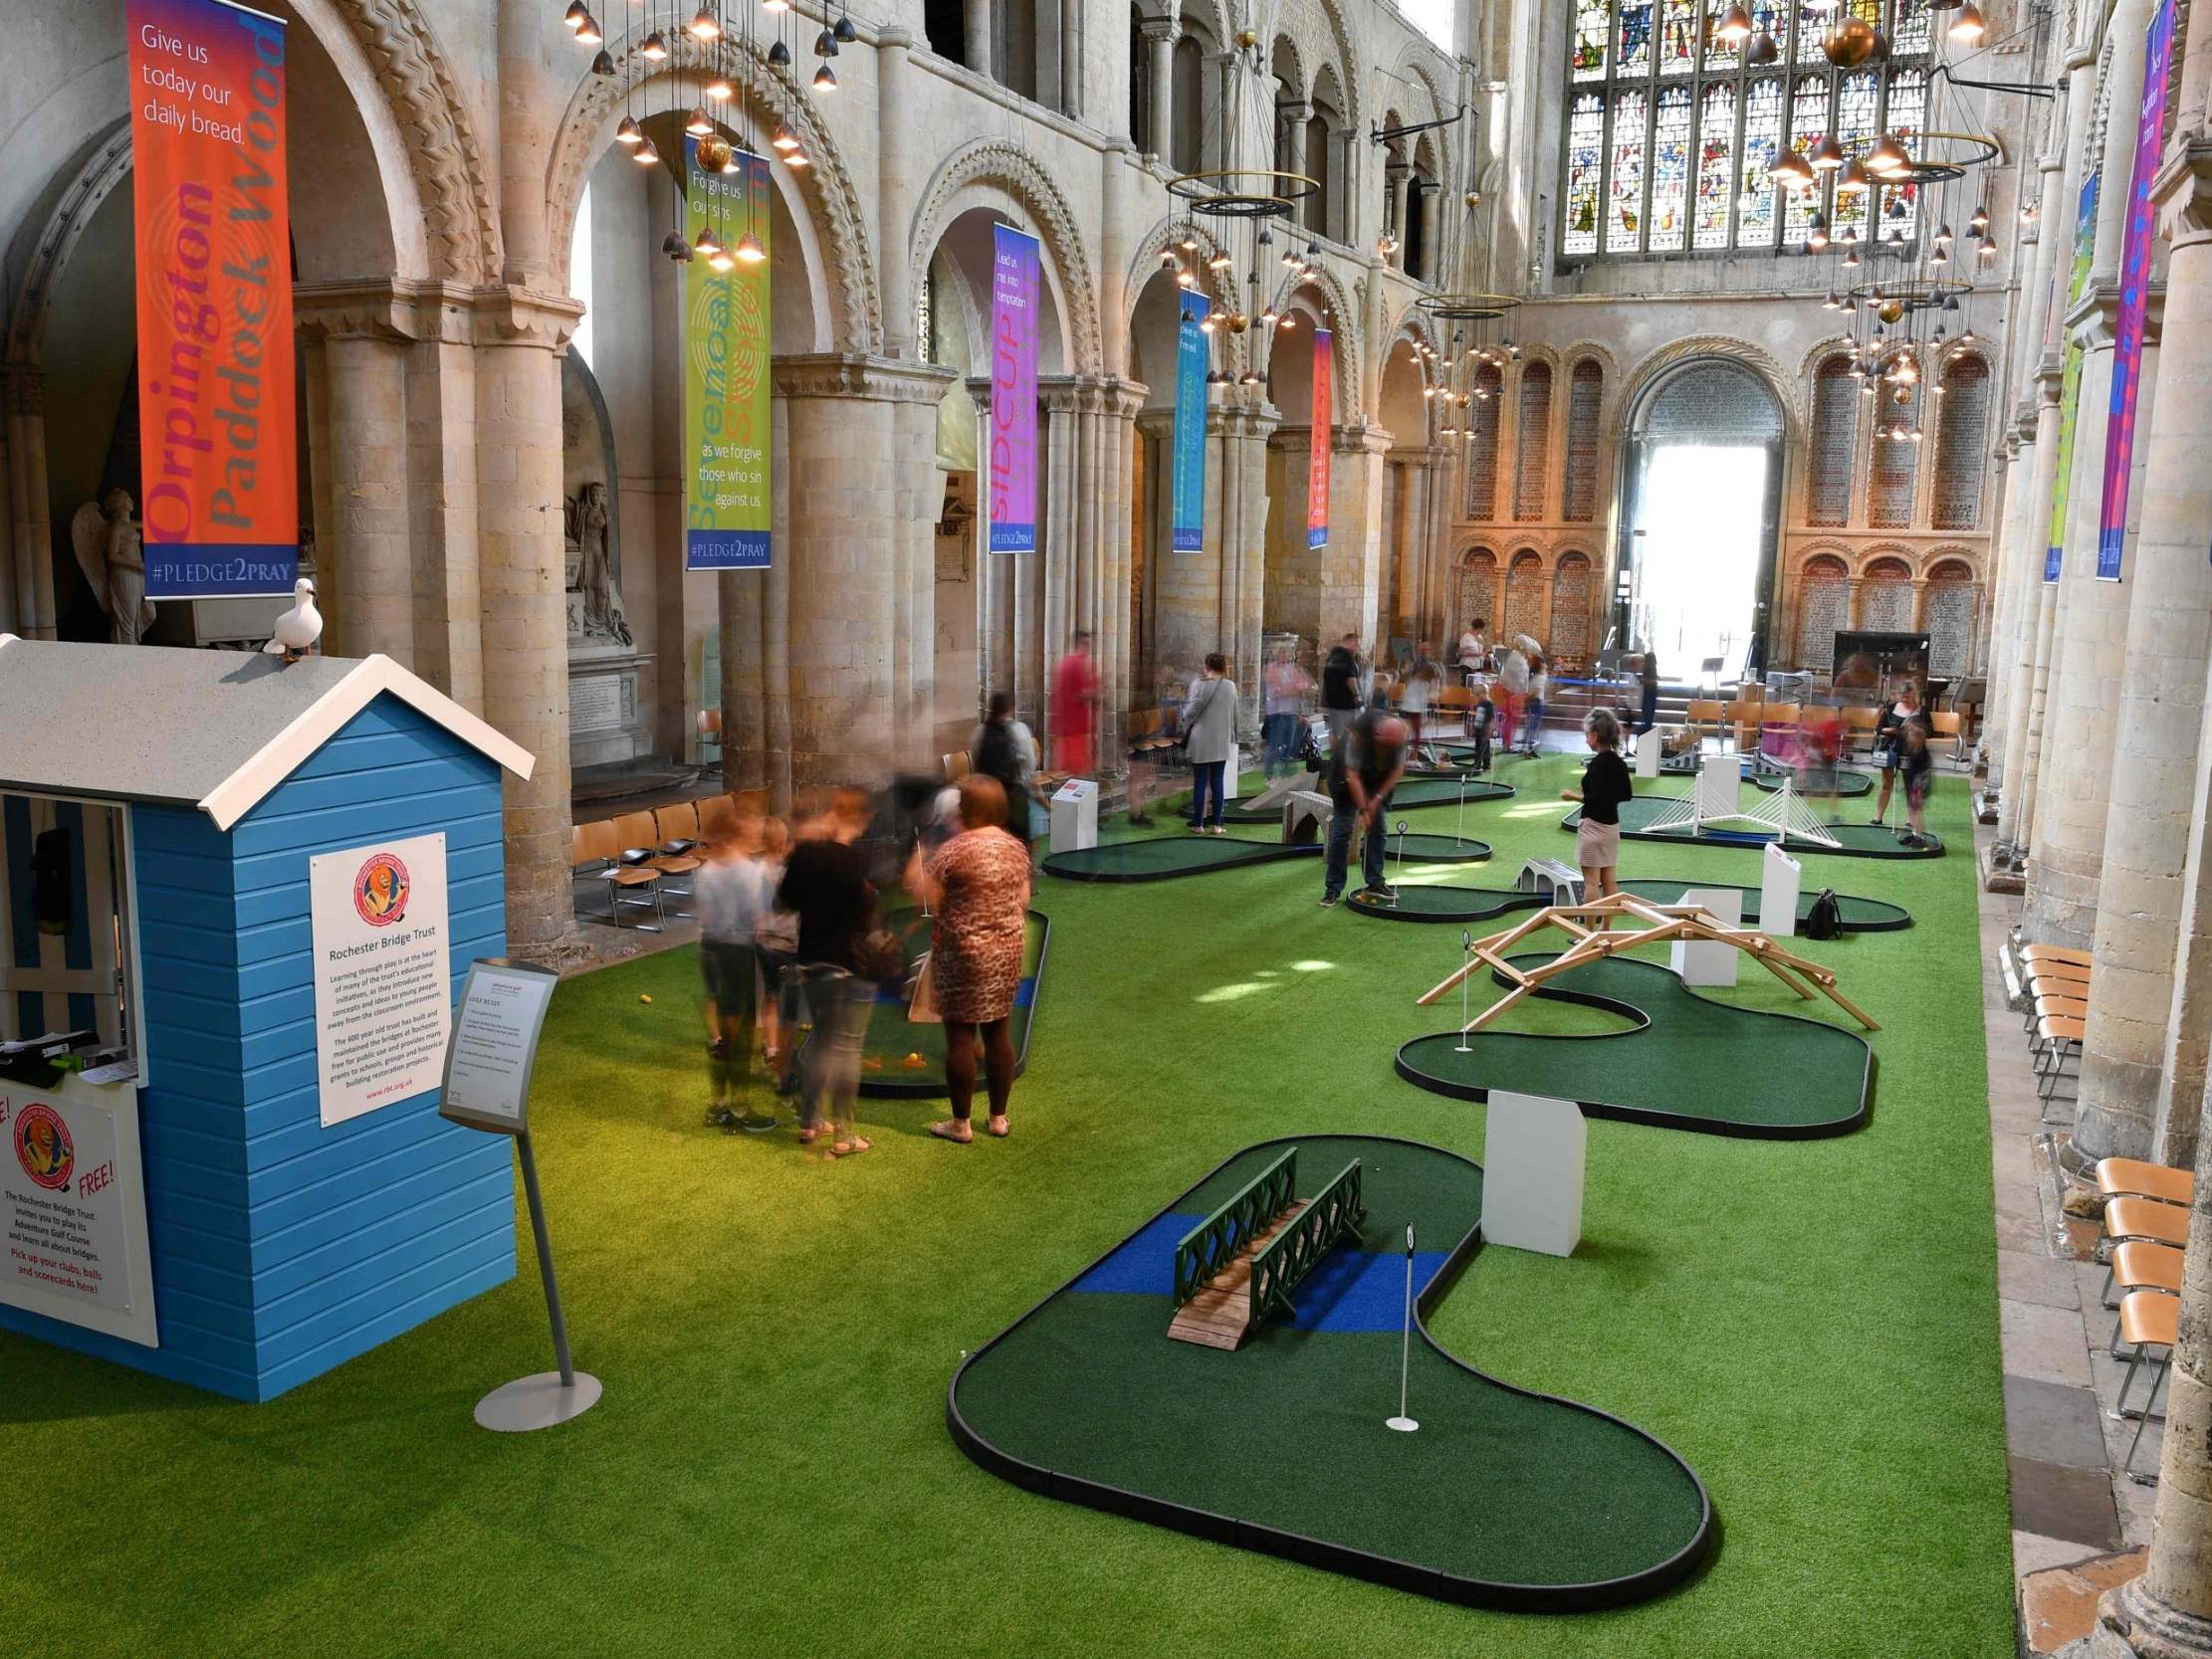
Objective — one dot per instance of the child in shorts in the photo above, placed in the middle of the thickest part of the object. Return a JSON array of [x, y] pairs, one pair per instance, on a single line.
[[1479, 722], [1916, 764], [732, 897]]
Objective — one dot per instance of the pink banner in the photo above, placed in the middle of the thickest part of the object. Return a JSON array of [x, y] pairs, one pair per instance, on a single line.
[[2134, 287], [1317, 465], [1014, 391]]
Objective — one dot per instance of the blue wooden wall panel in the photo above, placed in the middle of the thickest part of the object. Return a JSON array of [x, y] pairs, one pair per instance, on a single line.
[[281, 1248]]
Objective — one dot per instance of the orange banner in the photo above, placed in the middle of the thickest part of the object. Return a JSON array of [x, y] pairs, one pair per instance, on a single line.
[[218, 460]]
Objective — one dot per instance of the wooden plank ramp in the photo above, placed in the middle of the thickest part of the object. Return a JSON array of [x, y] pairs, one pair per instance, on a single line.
[[1219, 1316]]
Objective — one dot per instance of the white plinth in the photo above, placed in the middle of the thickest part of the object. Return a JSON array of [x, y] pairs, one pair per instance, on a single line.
[[1649, 753], [1719, 786], [1699, 962], [1532, 1166], [1075, 816], [1781, 882]]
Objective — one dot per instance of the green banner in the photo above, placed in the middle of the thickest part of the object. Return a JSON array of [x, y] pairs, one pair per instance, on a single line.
[[726, 362], [2069, 381]]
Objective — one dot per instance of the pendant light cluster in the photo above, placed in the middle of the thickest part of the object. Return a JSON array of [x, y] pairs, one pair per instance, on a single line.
[[718, 36], [1453, 385], [1849, 39]]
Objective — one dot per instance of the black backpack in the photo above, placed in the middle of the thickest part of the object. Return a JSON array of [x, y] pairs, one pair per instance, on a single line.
[[1825, 918]]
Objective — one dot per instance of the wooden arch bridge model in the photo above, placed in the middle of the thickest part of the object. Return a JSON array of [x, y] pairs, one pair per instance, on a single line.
[[1595, 939]]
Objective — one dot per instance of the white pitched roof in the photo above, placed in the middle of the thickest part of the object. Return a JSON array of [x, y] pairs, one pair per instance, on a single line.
[[216, 730]]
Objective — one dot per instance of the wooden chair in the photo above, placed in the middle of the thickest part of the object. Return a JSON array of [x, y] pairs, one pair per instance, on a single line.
[[2138, 1265], [2147, 1319], [1860, 726], [1744, 715], [1707, 715], [2140, 1221], [630, 885], [2131, 1178], [718, 816], [1946, 723], [2055, 954], [639, 844], [710, 731], [677, 828], [1783, 717], [2058, 1038], [957, 766]]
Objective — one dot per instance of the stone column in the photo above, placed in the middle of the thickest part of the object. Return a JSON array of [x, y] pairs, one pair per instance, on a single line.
[[1155, 437], [1119, 402], [1399, 177], [23, 405], [1071, 58], [525, 613], [1411, 531], [442, 517], [2141, 1034], [975, 42], [2067, 849], [1159, 35], [859, 435], [371, 580], [1244, 429], [1352, 563], [2166, 1613], [1295, 161], [895, 192]]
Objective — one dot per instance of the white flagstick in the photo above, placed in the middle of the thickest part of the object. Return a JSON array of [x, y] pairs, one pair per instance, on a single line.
[[1403, 1423], [1459, 823], [1466, 949], [1402, 828]]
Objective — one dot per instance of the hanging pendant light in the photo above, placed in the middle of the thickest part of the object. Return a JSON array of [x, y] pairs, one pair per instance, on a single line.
[[1943, 236], [844, 31], [1851, 181], [603, 64], [1185, 280], [1761, 51], [775, 5], [1826, 156], [699, 124], [629, 132], [1791, 168], [703, 26], [1969, 26], [1735, 26], [653, 47], [1816, 238], [1832, 303], [1987, 253], [588, 32], [1219, 262], [779, 55], [576, 15], [750, 251], [645, 154], [825, 45], [708, 244], [676, 248], [1979, 224], [1167, 259], [798, 158], [1888, 157]]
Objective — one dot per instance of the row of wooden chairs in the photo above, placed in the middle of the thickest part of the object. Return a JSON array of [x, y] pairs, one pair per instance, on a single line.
[[2057, 1016], [648, 858], [2146, 1231]]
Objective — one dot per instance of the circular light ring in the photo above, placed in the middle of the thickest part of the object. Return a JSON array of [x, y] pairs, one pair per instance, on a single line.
[[1243, 192], [1974, 150], [1469, 307], [1914, 293]]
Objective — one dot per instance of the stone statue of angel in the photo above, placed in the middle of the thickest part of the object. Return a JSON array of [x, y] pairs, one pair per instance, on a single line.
[[106, 536]]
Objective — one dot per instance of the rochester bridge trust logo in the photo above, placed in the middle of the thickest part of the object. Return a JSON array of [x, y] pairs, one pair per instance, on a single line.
[[43, 1147], [381, 890]]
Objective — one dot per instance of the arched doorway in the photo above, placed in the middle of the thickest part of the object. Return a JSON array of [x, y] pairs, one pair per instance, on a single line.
[[1702, 466]]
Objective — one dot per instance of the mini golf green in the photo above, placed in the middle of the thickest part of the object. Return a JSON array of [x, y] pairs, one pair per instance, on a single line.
[[1813, 785], [1482, 903], [1163, 857], [1853, 840], [903, 1060], [1504, 1498], [1686, 1061], [1435, 789]]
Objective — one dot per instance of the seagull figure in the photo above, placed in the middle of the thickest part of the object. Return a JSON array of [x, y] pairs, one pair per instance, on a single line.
[[297, 629]]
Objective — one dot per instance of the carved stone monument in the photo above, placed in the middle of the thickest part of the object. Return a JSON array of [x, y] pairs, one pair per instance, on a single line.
[[106, 536], [608, 723]]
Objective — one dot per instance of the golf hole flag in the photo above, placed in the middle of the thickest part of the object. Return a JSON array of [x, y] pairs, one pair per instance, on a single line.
[[218, 453], [727, 434], [2134, 287], [1317, 464], [1191, 360], [1015, 275]]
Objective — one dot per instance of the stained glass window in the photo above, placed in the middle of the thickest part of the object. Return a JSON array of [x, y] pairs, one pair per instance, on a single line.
[[1857, 99], [1633, 55], [1808, 125], [1671, 171], [1717, 163], [1593, 29], [1678, 38], [1625, 175], [1762, 142], [1670, 145], [1906, 117], [1585, 173], [1719, 54]]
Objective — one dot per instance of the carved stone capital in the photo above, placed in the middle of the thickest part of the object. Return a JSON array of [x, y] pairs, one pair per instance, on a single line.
[[2181, 190], [867, 378], [1360, 437]]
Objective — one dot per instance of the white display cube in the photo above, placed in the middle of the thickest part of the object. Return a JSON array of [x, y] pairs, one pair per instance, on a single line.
[[1649, 752], [1720, 787], [1532, 1168], [1075, 816], [1698, 961], [1781, 882]]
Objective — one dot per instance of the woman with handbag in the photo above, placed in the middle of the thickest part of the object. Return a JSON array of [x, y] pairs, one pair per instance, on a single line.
[[977, 887], [1209, 722], [826, 881]]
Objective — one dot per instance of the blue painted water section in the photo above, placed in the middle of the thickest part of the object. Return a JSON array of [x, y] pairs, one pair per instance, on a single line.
[[281, 1248], [1351, 1290]]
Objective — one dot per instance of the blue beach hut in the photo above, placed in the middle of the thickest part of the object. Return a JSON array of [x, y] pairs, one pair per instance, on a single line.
[[239, 897]]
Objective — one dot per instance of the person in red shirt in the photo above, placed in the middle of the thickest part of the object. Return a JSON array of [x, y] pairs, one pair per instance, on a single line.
[[1074, 708]]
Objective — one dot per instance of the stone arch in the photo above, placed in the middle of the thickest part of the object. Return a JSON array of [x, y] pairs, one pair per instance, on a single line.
[[1826, 554], [1574, 594], [1342, 58], [1300, 80], [967, 178], [1346, 331], [1413, 68], [842, 259], [1886, 564], [450, 168], [1951, 565], [105, 167], [1475, 586], [1650, 371], [1144, 270]]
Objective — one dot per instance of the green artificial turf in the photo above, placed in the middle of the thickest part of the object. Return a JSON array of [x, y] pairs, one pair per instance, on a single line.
[[1811, 1326], [1677, 1055], [1852, 840], [1498, 1488]]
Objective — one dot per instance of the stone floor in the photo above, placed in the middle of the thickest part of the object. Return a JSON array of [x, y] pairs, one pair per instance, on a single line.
[[2077, 1521]]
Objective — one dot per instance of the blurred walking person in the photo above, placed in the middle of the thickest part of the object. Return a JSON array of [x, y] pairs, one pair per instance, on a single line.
[[826, 881], [1075, 699], [1286, 687]]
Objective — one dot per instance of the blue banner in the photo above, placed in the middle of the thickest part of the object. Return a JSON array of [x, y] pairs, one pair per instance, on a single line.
[[1192, 360]]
